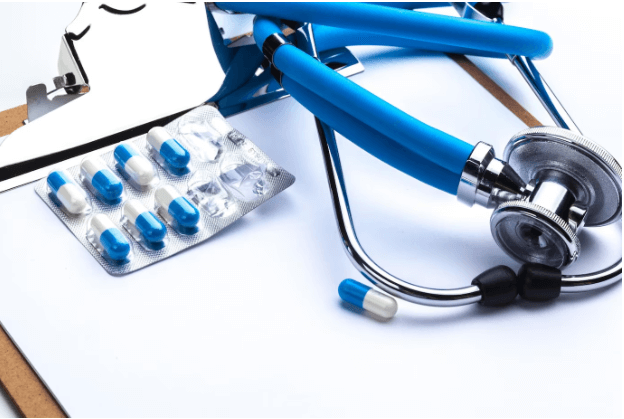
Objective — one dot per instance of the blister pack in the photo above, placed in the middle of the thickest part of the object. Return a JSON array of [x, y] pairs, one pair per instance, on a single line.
[[160, 193]]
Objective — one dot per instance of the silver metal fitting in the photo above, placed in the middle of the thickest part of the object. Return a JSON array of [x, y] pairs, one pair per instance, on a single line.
[[572, 182], [487, 180]]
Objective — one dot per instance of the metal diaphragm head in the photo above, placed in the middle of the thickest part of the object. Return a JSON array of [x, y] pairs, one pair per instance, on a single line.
[[532, 234], [571, 181]]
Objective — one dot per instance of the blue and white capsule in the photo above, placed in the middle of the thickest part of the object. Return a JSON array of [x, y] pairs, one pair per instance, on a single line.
[[103, 182], [176, 209], [152, 231], [112, 241], [137, 167], [67, 194], [367, 298], [174, 155]]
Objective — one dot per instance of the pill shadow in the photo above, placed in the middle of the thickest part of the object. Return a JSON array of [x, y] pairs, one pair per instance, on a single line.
[[363, 313]]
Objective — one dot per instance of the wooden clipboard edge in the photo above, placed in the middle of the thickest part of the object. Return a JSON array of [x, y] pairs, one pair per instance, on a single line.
[[23, 385], [12, 119], [495, 90]]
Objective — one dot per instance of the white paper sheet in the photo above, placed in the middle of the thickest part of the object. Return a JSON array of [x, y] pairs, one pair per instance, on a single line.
[[250, 323]]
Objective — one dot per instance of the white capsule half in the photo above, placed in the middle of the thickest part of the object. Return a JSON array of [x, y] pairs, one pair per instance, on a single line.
[[100, 223], [380, 304], [72, 198], [166, 194], [132, 209], [367, 298], [157, 136], [141, 170]]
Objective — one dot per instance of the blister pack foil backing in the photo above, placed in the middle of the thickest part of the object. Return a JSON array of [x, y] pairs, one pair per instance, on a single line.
[[235, 148]]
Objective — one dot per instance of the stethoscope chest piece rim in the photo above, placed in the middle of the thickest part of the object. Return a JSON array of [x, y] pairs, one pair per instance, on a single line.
[[514, 224], [585, 168]]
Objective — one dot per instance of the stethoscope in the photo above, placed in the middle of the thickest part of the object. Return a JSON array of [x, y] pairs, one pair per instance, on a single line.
[[551, 182]]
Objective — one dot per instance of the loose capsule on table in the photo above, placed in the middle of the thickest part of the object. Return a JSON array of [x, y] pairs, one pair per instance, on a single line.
[[367, 298], [136, 166], [67, 194], [112, 241], [177, 210], [152, 231], [101, 180], [174, 155]]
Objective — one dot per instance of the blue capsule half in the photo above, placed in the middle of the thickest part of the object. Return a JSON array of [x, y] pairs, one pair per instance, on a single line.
[[151, 228], [353, 292], [113, 242], [174, 154], [107, 184], [185, 213]]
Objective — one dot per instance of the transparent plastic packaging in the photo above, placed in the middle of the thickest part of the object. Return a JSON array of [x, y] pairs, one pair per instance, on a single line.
[[161, 212], [205, 137], [243, 179], [207, 193]]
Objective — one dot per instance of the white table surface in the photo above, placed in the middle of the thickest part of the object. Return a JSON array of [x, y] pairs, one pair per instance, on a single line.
[[250, 323]]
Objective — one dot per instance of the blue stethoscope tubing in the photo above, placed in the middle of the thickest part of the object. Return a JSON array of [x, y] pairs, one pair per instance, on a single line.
[[409, 24], [241, 63], [385, 149], [444, 150], [328, 37], [381, 129]]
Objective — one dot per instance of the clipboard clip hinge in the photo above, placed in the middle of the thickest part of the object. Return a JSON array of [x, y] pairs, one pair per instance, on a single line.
[[72, 80]]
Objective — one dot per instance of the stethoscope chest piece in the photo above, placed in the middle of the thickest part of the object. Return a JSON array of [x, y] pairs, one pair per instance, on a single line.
[[571, 183]]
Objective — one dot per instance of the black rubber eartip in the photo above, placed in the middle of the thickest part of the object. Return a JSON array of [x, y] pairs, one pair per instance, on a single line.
[[539, 282], [498, 286]]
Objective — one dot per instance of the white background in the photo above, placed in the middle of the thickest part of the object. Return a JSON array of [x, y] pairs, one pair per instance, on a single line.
[[250, 323]]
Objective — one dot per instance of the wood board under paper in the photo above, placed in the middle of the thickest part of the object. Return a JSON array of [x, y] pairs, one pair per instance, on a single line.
[[250, 322]]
